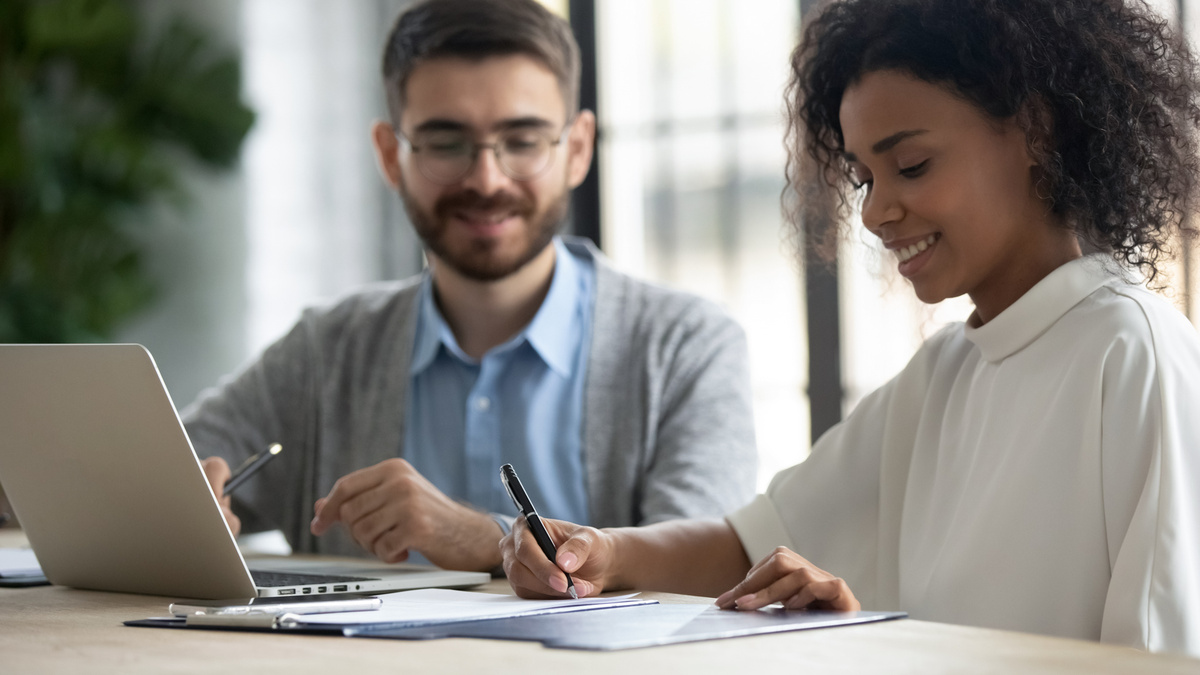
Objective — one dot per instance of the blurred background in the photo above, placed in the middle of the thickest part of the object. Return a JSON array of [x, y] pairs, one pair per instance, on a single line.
[[190, 175]]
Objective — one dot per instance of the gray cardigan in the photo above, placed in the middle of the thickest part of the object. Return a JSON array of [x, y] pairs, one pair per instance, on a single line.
[[667, 424]]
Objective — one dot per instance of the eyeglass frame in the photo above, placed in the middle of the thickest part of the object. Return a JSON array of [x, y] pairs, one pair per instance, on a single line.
[[494, 147]]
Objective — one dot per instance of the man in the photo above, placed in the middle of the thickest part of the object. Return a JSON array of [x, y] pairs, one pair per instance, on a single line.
[[618, 402]]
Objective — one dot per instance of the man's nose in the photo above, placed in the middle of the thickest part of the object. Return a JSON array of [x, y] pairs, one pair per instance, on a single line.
[[486, 176]]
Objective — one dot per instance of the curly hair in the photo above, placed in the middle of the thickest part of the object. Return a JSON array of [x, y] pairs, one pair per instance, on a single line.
[[1104, 90]]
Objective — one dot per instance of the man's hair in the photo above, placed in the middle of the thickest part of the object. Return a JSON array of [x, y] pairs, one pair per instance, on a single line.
[[478, 29]]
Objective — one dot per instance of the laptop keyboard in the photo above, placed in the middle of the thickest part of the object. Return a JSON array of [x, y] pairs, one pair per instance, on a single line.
[[268, 579]]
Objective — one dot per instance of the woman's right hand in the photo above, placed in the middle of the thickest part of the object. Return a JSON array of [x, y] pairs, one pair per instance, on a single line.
[[587, 554]]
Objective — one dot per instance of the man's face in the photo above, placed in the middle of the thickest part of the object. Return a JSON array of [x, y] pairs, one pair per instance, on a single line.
[[486, 225]]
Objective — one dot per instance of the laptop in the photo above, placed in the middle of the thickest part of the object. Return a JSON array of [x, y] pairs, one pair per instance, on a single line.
[[103, 478]]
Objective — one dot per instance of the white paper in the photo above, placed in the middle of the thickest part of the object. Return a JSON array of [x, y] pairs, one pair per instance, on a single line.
[[440, 605], [19, 562]]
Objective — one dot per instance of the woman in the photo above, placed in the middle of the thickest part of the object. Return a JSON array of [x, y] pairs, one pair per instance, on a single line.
[[1037, 467]]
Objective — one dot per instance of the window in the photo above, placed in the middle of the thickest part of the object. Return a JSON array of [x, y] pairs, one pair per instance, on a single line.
[[691, 157]]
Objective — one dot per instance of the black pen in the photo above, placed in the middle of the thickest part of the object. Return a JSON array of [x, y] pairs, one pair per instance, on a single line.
[[508, 476], [251, 467]]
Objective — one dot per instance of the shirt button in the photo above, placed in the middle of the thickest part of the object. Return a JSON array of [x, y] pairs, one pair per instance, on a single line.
[[483, 403]]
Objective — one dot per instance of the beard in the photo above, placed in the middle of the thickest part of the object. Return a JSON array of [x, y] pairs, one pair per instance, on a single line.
[[483, 259]]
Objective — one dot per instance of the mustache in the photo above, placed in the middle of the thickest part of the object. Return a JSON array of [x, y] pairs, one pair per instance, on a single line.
[[470, 200]]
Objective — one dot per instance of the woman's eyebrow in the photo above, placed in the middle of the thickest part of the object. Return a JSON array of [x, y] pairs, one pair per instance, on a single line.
[[887, 143]]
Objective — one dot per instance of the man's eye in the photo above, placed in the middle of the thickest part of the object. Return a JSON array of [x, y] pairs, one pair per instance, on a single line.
[[521, 144], [447, 146]]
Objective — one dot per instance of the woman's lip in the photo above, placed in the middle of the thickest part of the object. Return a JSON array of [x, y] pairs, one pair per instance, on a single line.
[[911, 266], [897, 244]]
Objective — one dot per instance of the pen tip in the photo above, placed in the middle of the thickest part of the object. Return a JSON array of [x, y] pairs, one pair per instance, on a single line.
[[574, 595]]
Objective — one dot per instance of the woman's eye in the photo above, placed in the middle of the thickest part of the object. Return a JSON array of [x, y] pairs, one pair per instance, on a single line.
[[858, 179], [914, 170]]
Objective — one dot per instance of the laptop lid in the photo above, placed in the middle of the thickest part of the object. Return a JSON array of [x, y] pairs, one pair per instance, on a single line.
[[103, 478]]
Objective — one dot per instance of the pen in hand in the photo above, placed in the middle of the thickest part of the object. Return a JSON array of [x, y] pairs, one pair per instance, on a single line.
[[515, 490], [251, 467]]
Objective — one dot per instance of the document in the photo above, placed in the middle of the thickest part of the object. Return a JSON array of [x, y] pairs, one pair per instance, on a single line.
[[634, 627], [19, 562], [432, 606], [19, 567], [405, 609]]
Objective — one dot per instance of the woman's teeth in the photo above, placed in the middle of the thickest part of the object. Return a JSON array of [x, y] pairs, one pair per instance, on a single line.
[[904, 254]]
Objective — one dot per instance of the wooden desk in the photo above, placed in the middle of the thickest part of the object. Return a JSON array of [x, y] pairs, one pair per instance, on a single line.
[[52, 629]]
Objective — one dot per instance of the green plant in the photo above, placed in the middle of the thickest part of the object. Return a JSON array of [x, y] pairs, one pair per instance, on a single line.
[[97, 114]]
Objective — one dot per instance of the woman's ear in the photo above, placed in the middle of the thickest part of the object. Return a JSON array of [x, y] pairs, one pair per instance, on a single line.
[[387, 152], [1035, 120]]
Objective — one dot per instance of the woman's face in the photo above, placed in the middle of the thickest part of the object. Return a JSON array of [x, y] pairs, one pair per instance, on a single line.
[[949, 191]]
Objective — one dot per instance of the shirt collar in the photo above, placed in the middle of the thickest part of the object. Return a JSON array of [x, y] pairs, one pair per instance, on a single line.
[[431, 329], [1036, 311], [549, 333]]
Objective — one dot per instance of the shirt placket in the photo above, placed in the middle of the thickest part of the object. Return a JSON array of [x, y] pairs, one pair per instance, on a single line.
[[483, 433]]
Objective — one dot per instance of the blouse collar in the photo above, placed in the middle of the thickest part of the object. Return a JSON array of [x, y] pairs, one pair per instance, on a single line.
[[1041, 306]]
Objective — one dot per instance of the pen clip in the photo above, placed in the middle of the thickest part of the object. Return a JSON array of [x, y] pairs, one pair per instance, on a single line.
[[516, 491]]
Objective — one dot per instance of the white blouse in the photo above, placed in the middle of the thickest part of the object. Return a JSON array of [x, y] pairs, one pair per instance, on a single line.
[[1038, 473]]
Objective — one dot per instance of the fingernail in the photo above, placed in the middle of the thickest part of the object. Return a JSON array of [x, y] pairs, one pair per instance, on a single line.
[[568, 562], [559, 584]]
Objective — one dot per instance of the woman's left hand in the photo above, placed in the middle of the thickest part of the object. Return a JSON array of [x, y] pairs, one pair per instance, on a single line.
[[786, 577]]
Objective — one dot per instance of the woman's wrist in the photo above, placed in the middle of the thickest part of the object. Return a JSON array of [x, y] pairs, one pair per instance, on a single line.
[[620, 543]]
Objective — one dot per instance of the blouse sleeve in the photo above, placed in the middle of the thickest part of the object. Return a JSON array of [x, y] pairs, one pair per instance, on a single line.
[[1151, 466], [840, 507]]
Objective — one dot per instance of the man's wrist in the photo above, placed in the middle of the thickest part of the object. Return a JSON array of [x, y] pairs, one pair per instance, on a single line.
[[487, 546]]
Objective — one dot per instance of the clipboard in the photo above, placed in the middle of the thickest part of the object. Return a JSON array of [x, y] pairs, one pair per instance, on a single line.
[[353, 623], [594, 624], [635, 627]]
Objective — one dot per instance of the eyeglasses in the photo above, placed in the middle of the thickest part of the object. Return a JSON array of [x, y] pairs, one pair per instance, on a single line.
[[446, 156]]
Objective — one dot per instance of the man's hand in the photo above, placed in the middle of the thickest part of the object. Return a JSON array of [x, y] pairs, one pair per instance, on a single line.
[[217, 472], [390, 509], [786, 577], [587, 554]]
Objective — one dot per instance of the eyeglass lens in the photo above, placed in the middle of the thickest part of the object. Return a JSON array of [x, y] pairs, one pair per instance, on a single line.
[[447, 156]]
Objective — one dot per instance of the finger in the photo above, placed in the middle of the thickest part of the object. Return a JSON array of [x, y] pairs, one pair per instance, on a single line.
[[525, 583], [391, 546], [235, 523], [368, 529], [347, 487], [777, 564], [781, 588], [529, 554], [755, 580], [216, 471], [833, 594], [578, 550], [367, 502]]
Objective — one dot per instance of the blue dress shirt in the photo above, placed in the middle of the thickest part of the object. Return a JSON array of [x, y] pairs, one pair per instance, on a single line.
[[522, 403]]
